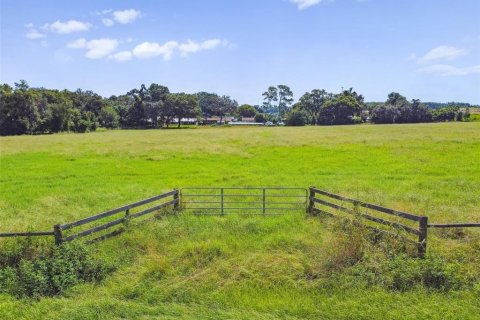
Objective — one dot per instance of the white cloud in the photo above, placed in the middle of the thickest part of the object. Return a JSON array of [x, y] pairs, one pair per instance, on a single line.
[[97, 48], [69, 26], [34, 34], [192, 46], [44, 43], [77, 44], [107, 22], [121, 56], [304, 4], [440, 53], [153, 49], [449, 70], [100, 48], [29, 25], [99, 13], [126, 16]]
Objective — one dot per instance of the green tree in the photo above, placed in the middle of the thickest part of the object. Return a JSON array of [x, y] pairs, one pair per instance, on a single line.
[[397, 109], [312, 102], [109, 118], [207, 102], [58, 117], [154, 99], [122, 105], [269, 98], [18, 110], [285, 99], [261, 117], [340, 110], [136, 116], [224, 106], [246, 110], [83, 121], [281, 94], [181, 105]]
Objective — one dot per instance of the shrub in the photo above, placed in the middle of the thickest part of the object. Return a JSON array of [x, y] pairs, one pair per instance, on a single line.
[[64, 267]]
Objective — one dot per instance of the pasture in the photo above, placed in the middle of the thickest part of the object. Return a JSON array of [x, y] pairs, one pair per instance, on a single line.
[[238, 267]]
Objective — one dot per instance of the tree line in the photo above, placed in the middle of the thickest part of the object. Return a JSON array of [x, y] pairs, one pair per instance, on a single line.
[[26, 110]]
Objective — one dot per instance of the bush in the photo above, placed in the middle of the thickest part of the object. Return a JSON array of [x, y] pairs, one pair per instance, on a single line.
[[296, 118], [64, 267]]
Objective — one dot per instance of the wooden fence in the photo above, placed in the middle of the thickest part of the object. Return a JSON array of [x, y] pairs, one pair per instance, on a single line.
[[108, 220], [395, 223], [405, 224]]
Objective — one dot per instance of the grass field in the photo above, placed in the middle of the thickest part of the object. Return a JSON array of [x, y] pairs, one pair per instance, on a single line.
[[242, 267]]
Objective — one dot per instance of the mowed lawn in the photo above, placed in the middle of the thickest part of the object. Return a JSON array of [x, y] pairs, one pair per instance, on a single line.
[[240, 267], [426, 169]]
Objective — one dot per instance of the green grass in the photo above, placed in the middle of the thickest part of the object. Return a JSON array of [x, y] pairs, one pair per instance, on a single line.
[[242, 267]]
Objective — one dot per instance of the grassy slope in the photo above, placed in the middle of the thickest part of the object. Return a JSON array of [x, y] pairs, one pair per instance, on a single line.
[[237, 267]]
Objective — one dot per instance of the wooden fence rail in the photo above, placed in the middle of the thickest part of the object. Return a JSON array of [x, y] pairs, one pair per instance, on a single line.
[[454, 225], [26, 234], [58, 229]]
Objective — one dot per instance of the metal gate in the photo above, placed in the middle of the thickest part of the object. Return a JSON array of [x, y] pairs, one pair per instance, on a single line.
[[248, 200]]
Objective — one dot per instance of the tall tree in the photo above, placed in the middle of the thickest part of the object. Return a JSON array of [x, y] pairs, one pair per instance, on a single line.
[[153, 99], [207, 102], [182, 105], [285, 99], [225, 105], [312, 102], [340, 110], [18, 110], [269, 98], [278, 100]]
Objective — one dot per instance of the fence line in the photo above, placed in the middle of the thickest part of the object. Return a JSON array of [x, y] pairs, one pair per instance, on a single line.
[[421, 221], [58, 229], [420, 230]]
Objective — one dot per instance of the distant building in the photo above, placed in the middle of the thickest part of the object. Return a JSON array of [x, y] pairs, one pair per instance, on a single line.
[[216, 120], [185, 121]]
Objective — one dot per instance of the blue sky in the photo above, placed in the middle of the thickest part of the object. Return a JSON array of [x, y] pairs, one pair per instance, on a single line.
[[426, 49]]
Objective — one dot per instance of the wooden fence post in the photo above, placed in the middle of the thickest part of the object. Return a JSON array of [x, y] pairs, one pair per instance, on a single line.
[[311, 204], [126, 222], [57, 232], [422, 238], [222, 204], [176, 196], [263, 201]]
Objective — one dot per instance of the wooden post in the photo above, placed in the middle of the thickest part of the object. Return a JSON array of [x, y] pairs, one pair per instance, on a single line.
[[57, 232], [176, 196], [126, 222], [311, 204], [422, 238], [263, 206], [221, 201]]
